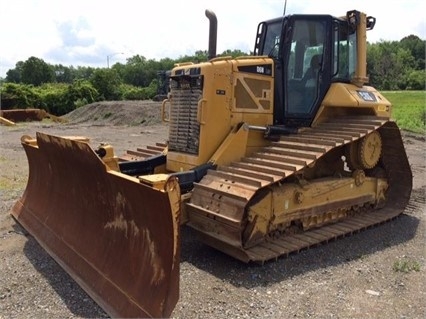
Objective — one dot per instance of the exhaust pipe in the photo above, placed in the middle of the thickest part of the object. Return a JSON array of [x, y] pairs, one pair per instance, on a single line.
[[212, 33]]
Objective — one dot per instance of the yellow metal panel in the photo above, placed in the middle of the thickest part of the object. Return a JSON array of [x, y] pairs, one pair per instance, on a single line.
[[349, 99], [178, 162], [230, 96], [233, 148]]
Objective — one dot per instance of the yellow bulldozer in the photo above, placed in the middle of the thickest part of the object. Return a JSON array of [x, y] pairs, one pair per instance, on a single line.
[[266, 155]]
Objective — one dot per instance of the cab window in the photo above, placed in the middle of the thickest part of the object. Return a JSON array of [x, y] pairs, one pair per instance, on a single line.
[[304, 65]]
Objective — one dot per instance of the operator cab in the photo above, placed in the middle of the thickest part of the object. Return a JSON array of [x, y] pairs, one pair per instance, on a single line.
[[310, 52]]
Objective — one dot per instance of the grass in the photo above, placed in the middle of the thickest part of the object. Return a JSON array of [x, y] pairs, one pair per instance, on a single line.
[[47, 120], [408, 109], [406, 265]]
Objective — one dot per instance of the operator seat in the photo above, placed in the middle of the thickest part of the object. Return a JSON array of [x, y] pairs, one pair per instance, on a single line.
[[311, 76], [301, 98]]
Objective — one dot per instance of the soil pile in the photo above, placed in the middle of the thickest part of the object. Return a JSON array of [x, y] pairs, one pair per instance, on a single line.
[[117, 113]]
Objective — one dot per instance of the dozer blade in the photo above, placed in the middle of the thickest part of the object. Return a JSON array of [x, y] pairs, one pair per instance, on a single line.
[[116, 237], [25, 115]]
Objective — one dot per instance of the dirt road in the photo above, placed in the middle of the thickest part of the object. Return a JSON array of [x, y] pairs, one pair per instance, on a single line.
[[377, 273]]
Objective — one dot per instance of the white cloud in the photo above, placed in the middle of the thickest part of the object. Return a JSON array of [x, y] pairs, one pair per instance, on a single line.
[[85, 32]]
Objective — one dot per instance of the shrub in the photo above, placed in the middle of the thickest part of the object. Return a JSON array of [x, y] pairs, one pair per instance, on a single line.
[[131, 92], [53, 97], [406, 265], [417, 80], [79, 93], [107, 82], [15, 96]]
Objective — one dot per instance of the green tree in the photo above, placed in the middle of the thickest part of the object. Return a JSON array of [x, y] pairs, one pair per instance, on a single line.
[[417, 48], [131, 92], [233, 53], [53, 97], [82, 72], [63, 74], [79, 93], [107, 83], [14, 75], [199, 56], [134, 71], [151, 90], [389, 65], [36, 72], [165, 64], [417, 80]]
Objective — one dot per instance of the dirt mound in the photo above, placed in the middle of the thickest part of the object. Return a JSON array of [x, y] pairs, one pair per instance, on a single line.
[[117, 113]]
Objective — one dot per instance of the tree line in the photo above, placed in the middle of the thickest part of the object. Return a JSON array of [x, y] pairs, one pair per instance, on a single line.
[[59, 89], [397, 65]]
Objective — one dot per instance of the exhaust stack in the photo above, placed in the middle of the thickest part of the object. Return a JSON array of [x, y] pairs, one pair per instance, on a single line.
[[212, 33]]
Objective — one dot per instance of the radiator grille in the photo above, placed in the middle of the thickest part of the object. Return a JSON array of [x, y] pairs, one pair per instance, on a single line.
[[184, 128]]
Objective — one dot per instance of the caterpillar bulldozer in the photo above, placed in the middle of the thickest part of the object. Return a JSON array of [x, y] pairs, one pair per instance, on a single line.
[[266, 155]]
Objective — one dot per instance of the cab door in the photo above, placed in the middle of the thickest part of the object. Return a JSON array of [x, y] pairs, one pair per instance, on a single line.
[[306, 67]]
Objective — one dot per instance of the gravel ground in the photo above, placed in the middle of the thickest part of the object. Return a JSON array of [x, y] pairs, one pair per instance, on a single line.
[[353, 277]]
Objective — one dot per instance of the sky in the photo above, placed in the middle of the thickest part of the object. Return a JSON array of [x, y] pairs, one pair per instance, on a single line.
[[95, 32]]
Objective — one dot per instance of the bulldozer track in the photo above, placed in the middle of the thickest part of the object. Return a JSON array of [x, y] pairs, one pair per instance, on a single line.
[[417, 201], [142, 153], [230, 188]]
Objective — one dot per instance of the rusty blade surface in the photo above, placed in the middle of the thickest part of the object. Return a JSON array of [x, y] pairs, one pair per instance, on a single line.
[[23, 115], [117, 238]]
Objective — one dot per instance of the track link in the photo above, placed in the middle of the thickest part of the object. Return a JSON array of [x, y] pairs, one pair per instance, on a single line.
[[142, 153], [220, 199]]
